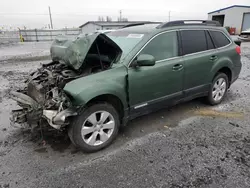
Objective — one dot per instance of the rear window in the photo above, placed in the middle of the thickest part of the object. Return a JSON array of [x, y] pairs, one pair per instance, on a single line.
[[193, 41], [220, 39]]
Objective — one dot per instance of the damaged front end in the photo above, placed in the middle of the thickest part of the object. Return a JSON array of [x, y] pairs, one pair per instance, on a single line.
[[44, 97]]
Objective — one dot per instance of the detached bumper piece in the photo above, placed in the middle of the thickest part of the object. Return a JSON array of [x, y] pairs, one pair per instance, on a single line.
[[58, 119], [32, 112]]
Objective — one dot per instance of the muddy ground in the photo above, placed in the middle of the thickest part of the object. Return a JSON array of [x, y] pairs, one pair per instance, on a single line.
[[188, 145]]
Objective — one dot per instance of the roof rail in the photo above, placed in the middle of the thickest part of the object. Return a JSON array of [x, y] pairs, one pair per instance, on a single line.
[[140, 23], [190, 22]]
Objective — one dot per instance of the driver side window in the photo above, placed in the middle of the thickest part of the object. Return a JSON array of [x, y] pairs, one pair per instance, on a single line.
[[163, 46]]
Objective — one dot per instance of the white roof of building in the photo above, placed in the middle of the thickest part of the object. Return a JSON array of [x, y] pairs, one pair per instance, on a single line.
[[233, 6]]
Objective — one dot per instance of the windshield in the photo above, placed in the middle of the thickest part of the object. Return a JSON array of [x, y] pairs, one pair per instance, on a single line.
[[126, 41]]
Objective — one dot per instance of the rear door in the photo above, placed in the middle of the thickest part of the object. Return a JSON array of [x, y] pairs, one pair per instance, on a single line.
[[199, 54]]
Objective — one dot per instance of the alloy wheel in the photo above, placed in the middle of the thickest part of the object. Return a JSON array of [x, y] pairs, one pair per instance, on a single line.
[[98, 128], [219, 89]]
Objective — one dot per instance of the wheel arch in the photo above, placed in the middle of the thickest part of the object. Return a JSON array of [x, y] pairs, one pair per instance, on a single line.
[[114, 100], [227, 71], [224, 65]]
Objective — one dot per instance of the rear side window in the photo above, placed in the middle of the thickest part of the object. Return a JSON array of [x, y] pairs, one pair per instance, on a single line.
[[220, 39], [193, 41], [163, 46]]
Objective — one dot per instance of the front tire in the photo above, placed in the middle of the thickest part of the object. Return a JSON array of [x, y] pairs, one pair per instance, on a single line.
[[218, 89], [95, 127]]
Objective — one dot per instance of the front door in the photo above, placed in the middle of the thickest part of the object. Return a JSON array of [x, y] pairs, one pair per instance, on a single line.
[[155, 86]]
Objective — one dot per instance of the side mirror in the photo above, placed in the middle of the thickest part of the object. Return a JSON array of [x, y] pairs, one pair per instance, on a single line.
[[145, 60]]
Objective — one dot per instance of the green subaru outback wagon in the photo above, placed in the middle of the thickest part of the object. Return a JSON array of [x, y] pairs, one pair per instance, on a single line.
[[98, 82]]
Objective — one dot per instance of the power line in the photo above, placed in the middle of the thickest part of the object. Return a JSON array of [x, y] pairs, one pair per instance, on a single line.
[[82, 14], [21, 13]]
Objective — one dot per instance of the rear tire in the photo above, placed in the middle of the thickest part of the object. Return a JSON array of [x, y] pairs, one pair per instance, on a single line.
[[218, 89], [95, 127]]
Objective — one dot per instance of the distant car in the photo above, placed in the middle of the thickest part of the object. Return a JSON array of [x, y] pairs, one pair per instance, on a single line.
[[246, 32], [96, 83], [237, 39]]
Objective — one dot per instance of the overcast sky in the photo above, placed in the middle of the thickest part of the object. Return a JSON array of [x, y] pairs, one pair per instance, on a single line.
[[72, 13]]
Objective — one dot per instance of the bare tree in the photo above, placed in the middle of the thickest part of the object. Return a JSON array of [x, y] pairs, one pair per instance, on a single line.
[[122, 19], [108, 19], [100, 18]]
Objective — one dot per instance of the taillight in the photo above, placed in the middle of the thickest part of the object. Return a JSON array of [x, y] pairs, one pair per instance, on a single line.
[[238, 50]]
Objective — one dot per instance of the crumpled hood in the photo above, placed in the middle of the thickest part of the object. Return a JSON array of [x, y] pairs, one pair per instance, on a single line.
[[73, 52]]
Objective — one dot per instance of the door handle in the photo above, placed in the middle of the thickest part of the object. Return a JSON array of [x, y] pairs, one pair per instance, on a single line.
[[213, 57], [177, 67]]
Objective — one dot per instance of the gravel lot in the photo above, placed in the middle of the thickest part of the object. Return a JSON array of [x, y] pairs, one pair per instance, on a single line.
[[188, 145]]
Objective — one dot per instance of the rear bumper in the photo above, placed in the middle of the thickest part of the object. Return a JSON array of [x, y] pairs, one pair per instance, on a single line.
[[236, 74]]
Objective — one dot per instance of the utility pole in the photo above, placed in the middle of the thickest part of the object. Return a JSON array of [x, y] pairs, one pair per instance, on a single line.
[[120, 15], [169, 15], [50, 18]]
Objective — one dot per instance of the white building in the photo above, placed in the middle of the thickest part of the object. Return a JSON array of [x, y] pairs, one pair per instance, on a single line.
[[236, 16], [93, 26]]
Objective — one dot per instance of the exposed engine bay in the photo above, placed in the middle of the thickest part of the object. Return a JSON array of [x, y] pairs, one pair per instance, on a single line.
[[44, 98]]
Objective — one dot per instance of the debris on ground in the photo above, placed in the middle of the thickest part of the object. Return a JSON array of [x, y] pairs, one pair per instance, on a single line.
[[234, 124]]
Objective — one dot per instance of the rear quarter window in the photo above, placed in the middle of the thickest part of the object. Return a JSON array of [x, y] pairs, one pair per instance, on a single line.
[[219, 38], [210, 44]]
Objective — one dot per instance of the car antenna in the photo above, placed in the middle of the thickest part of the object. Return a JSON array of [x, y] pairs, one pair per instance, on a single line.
[[99, 56]]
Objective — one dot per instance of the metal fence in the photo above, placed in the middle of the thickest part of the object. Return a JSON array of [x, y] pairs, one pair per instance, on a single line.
[[9, 37], [47, 35]]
